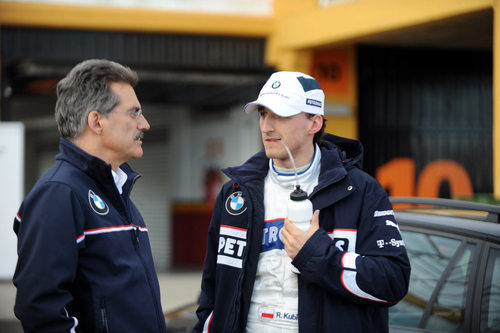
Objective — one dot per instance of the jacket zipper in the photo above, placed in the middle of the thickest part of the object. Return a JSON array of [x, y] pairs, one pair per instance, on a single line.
[[236, 313], [136, 232]]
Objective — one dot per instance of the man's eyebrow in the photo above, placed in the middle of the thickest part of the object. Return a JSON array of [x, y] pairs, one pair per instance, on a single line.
[[134, 109]]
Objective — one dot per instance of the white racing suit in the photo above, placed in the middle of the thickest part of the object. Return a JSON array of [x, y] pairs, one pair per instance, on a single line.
[[274, 303]]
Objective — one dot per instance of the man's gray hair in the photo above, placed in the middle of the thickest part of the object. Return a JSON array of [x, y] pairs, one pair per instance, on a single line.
[[86, 88]]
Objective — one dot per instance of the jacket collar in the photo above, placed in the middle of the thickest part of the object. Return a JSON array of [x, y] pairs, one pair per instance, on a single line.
[[93, 166], [254, 168]]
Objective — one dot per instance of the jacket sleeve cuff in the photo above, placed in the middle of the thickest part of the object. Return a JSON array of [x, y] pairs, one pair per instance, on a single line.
[[311, 248]]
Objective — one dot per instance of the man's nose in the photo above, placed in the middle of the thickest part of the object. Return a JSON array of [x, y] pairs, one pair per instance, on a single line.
[[143, 123], [266, 124]]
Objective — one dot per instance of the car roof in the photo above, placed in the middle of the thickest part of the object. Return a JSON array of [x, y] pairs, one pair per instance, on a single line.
[[460, 226], [466, 219]]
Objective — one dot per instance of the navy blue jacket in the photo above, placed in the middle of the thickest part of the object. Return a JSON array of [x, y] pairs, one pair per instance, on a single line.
[[352, 269], [84, 252]]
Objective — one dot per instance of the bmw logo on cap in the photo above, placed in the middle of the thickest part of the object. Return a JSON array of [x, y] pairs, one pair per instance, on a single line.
[[97, 204], [276, 84], [235, 203]]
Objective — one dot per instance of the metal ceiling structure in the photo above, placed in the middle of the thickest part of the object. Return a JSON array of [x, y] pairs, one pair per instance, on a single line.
[[204, 72]]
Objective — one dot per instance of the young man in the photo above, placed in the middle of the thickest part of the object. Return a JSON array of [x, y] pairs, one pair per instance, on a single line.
[[352, 261], [85, 262]]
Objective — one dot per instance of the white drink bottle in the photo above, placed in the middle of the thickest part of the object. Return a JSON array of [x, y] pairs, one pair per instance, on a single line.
[[299, 211]]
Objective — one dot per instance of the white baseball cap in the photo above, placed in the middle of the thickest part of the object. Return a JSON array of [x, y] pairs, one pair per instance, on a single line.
[[289, 93]]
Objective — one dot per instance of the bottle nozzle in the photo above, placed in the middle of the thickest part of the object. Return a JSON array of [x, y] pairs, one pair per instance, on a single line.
[[298, 194]]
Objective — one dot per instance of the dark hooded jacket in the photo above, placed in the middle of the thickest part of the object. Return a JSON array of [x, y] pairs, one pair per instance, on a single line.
[[85, 261], [352, 269]]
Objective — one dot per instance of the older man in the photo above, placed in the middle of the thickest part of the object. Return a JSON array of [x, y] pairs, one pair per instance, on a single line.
[[85, 262]]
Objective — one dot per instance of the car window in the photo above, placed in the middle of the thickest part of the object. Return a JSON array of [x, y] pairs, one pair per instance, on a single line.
[[490, 304], [448, 309], [438, 283]]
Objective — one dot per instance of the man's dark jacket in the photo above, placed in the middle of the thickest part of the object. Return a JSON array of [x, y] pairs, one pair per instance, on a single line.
[[352, 269], [85, 261]]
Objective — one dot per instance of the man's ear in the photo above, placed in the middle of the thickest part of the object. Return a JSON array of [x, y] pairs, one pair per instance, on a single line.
[[94, 122], [317, 123]]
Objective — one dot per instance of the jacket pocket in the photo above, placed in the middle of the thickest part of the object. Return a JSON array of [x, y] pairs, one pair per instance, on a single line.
[[103, 316]]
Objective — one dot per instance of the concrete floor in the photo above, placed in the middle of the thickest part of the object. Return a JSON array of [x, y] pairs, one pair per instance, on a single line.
[[177, 290]]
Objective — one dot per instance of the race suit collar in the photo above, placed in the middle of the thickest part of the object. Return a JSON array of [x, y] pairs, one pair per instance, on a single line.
[[306, 175]]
